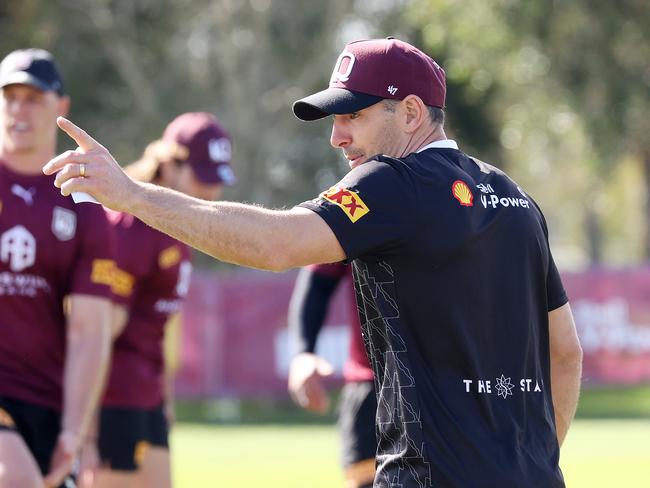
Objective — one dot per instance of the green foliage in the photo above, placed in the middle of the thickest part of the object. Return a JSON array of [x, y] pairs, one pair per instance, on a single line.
[[563, 86], [555, 92], [132, 66]]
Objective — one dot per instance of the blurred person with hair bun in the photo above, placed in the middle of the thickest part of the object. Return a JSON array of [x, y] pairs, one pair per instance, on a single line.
[[152, 277]]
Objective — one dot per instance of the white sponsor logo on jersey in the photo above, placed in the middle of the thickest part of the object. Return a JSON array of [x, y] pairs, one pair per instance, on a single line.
[[64, 223], [18, 248], [27, 195], [502, 386], [494, 201], [167, 306], [184, 274], [182, 287]]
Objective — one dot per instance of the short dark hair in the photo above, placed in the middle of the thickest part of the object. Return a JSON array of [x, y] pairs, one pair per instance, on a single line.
[[436, 114]]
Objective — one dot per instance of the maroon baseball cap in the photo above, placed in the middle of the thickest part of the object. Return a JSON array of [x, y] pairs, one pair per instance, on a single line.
[[371, 70], [208, 144]]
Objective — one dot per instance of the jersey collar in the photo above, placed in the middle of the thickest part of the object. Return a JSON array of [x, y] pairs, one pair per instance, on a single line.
[[441, 144]]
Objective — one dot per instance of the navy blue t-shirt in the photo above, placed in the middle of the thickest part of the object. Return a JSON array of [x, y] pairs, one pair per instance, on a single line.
[[454, 281]]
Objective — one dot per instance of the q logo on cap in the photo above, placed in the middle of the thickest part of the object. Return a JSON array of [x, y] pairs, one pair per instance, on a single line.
[[342, 71]]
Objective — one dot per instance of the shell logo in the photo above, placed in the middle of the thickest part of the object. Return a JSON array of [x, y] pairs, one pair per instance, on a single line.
[[462, 193]]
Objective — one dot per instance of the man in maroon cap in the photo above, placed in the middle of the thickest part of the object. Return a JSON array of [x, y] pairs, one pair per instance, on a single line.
[[152, 277], [52, 358], [466, 322]]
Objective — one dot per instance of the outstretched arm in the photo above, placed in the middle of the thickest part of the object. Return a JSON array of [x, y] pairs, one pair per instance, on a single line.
[[242, 234], [247, 235]]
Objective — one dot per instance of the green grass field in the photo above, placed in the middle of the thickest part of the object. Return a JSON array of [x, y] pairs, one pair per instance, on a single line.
[[597, 453]]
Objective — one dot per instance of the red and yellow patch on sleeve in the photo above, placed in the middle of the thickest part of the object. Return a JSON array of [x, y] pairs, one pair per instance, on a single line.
[[169, 257], [347, 200]]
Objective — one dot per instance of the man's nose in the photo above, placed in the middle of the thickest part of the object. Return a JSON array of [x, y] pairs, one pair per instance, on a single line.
[[340, 135]]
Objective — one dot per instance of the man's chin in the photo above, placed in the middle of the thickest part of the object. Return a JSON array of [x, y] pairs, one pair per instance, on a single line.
[[15, 147]]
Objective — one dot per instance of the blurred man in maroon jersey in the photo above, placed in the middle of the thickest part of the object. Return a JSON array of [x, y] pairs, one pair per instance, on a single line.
[[52, 362], [311, 297], [153, 274]]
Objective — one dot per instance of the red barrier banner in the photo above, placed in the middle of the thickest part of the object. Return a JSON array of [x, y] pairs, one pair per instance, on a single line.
[[235, 341], [612, 314]]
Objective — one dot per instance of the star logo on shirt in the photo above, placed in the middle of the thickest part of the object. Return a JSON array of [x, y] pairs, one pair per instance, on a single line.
[[504, 387]]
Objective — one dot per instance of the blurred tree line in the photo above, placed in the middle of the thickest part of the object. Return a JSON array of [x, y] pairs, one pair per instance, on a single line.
[[555, 92]]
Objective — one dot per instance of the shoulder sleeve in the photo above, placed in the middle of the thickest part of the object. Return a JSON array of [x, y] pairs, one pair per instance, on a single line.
[[94, 266], [372, 211], [125, 276], [556, 295]]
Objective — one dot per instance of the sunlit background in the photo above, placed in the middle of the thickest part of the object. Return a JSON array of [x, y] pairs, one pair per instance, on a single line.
[[555, 92]]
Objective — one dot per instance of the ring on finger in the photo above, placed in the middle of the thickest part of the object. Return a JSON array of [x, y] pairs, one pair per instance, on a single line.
[[82, 170]]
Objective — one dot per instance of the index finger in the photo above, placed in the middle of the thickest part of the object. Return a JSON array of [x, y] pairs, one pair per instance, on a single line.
[[80, 136]]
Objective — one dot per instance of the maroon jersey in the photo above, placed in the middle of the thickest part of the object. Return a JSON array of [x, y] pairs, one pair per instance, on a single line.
[[357, 367], [153, 274], [49, 248]]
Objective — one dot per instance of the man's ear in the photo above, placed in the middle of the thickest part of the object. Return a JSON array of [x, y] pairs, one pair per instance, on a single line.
[[415, 113]]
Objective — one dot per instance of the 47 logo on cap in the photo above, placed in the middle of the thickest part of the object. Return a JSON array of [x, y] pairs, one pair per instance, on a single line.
[[349, 201]]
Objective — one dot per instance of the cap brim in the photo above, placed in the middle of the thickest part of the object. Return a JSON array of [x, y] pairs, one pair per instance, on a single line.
[[23, 78], [213, 173], [331, 101]]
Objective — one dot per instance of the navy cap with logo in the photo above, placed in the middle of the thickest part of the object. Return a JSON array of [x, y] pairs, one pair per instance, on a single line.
[[371, 70], [34, 67], [209, 146]]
